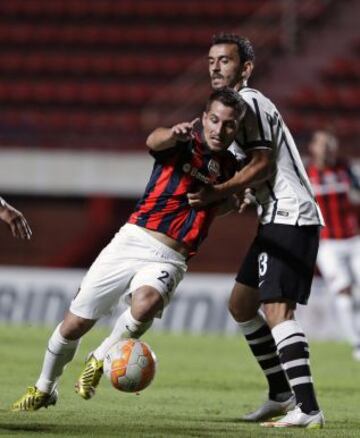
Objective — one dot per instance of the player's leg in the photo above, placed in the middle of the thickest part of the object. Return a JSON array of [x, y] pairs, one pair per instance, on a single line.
[[354, 256], [132, 323], [294, 354], [96, 296], [334, 261], [60, 351], [146, 303], [150, 290], [244, 306], [290, 259]]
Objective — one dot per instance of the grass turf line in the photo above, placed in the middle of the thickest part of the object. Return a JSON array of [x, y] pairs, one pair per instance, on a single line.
[[202, 387]]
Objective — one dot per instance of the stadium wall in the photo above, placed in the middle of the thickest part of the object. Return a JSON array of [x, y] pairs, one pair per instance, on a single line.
[[41, 296], [77, 173]]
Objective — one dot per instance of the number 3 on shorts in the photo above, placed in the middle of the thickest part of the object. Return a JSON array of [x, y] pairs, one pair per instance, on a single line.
[[263, 263]]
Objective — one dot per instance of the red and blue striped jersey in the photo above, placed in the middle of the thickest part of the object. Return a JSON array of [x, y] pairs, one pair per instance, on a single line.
[[177, 171], [332, 186]]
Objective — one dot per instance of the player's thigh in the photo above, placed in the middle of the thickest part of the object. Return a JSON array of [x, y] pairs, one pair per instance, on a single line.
[[334, 264], [106, 280], [286, 262], [163, 277], [244, 302]]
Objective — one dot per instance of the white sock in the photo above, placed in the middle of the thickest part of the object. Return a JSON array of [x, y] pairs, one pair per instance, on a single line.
[[346, 317], [60, 352], [126, 327]]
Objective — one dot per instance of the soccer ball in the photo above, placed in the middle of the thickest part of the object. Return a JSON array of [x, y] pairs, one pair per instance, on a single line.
[[130, 365]]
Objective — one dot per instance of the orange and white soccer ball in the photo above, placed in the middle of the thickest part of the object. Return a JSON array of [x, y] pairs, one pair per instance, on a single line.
[[130, 365]]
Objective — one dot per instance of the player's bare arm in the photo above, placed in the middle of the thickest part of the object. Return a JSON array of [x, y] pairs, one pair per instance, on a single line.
[[257, 170], [166, 138], [15, 220]]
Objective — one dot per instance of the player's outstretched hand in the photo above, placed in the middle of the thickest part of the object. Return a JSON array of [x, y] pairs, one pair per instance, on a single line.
[[248, 199], [183, 131], [16, 221], [206, 195]]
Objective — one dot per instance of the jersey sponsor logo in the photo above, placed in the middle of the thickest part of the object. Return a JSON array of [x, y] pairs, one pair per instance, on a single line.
[[282, 213], [194, 172]]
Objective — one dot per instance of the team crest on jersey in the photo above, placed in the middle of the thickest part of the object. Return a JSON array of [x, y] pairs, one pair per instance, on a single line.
[[187, 167], [214, 168]]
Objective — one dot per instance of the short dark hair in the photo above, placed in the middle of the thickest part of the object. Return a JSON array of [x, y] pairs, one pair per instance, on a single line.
[[245, 48], [228, 97]]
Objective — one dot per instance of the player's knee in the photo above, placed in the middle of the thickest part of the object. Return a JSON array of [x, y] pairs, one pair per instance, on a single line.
[[242, 314], [278, 312], [73, 326], [146, 303], [243, 306]]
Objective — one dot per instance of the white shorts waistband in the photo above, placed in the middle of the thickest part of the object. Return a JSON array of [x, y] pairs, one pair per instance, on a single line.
[[140, 233]]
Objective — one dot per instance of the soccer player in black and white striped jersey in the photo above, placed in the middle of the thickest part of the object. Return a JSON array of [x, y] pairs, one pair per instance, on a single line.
[[278, 269]]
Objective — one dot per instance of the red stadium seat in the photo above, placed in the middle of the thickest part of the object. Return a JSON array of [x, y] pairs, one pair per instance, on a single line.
[[343, 69], [81, 69]]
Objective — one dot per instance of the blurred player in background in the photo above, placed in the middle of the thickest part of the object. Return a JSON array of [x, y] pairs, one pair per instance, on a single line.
[[15, 220], [339, 254], [278, 269], [147, 258]]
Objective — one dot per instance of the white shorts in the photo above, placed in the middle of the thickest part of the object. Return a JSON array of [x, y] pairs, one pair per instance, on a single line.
[[132, 259], [339, 262]]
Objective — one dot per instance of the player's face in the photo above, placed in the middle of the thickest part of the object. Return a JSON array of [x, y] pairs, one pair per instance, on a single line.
[[220, 126], [225, 66]]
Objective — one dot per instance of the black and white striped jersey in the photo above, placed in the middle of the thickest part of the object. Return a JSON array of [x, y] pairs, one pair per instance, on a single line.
[[286, 197]]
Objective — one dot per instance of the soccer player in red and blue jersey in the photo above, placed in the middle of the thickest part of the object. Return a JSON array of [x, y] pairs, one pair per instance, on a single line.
[[147, 258], [339, 252]]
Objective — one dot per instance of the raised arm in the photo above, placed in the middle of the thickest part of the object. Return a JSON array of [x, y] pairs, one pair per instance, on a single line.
[[166, 138]]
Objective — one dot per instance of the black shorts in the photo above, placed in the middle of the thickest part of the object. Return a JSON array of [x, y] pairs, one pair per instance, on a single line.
[[281, 262]]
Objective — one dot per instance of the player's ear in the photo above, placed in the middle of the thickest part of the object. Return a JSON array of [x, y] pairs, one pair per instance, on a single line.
[[247, 69], [204, 117]]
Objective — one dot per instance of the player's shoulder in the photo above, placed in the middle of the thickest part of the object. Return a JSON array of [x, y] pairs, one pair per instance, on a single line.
[[228, 155], [251, 94]]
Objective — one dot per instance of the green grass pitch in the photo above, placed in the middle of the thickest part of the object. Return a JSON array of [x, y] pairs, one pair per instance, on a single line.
[[203, 385]]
